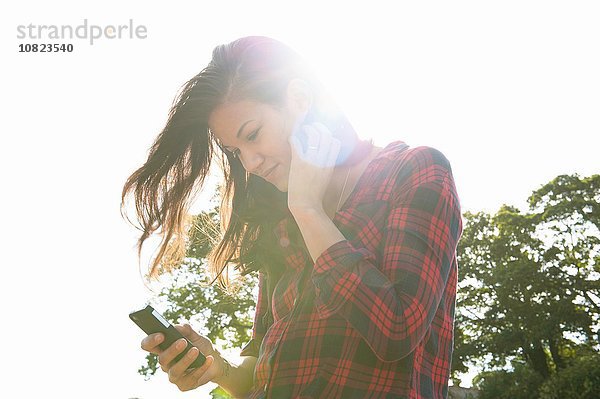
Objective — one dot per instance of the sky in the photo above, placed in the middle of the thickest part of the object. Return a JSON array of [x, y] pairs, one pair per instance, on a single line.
[[508, 91]]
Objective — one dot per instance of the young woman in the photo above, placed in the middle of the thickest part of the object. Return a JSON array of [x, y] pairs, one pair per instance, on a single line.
[[354, 245]]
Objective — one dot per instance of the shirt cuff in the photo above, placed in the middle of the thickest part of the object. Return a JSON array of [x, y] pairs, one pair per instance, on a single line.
[[342, 252], [336, 275]]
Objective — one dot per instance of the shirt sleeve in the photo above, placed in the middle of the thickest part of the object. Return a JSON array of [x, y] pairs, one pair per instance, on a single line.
[[259, 328], [392, 298]]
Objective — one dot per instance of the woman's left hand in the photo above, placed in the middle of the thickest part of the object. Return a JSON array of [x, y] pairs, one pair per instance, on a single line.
[[311, 167]]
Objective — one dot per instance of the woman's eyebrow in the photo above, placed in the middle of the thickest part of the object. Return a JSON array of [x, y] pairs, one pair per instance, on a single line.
[[242, 128]]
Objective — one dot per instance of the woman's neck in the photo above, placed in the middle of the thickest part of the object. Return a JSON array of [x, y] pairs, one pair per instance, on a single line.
[[343, 180]]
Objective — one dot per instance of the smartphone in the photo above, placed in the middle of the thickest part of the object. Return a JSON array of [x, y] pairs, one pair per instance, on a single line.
[[150, 321]]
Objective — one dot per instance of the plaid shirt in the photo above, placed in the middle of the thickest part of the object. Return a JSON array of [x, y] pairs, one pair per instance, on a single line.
[[375, 318]]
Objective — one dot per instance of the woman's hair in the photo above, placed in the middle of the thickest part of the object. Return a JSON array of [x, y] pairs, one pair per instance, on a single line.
[[251, 68]]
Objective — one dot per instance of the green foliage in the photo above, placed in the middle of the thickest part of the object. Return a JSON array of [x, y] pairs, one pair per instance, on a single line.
[[521, 383], [529, 286], [220, 393], [223, 319], [580, 380], [529, 295]]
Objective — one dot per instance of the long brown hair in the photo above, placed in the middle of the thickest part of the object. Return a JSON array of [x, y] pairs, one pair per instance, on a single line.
[[251, 68]]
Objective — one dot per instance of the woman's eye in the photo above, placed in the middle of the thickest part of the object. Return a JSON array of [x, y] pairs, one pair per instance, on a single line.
[[252, 136]]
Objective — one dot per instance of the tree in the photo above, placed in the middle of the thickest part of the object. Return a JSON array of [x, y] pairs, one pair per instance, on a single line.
[[529, 282], [579, 380], [528, 303], [224, 319], [520, 383]]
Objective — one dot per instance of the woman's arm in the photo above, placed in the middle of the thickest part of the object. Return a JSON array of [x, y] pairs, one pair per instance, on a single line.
[[237, 380], [318, 231], [391, 304]]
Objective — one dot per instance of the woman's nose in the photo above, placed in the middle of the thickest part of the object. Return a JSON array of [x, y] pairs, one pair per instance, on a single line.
[[251, 160]]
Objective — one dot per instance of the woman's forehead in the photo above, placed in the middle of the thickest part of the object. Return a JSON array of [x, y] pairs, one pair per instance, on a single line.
[[228, 121], [230, 116]]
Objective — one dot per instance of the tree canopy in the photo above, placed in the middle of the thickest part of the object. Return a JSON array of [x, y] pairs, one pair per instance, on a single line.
[[528, 306], [529, 283]]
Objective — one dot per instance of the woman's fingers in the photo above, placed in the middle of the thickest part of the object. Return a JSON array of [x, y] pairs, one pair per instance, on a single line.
[[151, 342], [206, 373], [196, 339], [320, 145], [187, 380], [331, 145], [311, 168], [166, 357], [313, 140], [178, 370]]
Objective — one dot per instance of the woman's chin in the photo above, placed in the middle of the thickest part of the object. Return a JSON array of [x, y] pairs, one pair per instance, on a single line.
[[281, 186]]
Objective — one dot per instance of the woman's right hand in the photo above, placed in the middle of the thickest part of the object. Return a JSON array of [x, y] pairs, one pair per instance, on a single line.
[[185, 380]]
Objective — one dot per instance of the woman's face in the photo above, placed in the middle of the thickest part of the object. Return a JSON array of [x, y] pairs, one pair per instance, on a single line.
[[257, 134]]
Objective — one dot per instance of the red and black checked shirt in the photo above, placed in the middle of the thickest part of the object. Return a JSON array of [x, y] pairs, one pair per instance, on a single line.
[[375, 317]]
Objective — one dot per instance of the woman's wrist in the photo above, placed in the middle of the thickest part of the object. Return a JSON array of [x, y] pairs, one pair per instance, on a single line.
[[235, 379], [317, 229], [224, 367]]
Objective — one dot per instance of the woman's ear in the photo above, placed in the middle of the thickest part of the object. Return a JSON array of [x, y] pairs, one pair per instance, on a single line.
[[299, 97]]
